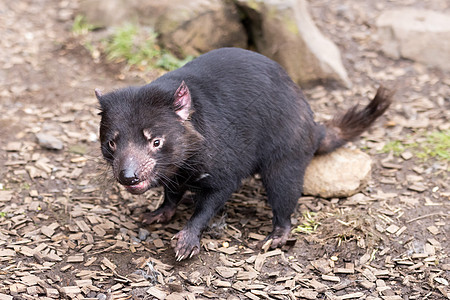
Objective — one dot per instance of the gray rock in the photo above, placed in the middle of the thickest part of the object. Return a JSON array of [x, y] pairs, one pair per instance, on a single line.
[[49, 141], [185, 27], [143, 234], [341, 173], [417, 34], [135, 239], [101, 296], [284, 31]]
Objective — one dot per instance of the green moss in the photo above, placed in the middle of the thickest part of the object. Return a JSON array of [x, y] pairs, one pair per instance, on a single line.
[[434, 144], [139, 47], [397, 147], [80, 26], [310, 224], [123, 46], [169, 62], [128, 43], [437, 144]]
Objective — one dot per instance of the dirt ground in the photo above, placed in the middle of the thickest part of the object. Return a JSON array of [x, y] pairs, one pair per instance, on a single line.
[[68, 231]]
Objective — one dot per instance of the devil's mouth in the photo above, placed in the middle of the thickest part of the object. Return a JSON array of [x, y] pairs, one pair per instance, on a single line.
[[139, 188]]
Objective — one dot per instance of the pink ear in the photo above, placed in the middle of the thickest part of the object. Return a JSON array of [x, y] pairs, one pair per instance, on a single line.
[[98, 93], [182, 101]]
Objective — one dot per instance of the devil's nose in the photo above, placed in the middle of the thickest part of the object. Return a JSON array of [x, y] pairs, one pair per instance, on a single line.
[[128, 177]]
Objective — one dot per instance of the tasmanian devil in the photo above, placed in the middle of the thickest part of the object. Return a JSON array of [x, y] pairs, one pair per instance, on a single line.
[[224, 116]]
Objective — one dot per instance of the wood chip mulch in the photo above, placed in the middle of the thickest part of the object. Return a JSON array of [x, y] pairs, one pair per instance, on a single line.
[[69, 232]]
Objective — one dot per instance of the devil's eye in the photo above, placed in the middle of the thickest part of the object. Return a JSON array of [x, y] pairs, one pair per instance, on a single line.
[[157, 143], [112, 145]]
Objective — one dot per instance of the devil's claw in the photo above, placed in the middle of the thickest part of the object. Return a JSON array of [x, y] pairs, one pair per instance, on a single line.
[[187, 244], [161, 215]]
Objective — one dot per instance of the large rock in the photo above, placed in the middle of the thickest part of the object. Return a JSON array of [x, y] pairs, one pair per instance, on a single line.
[[341, 173], [417, 34], [284, 31], [186, 27], [199, 26], [107, 13]]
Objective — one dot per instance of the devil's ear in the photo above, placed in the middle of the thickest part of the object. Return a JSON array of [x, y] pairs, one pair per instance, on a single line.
[[98, 94], [182, 102]]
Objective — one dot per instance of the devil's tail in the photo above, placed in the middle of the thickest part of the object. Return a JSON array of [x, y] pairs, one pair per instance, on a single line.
[[346, 127]]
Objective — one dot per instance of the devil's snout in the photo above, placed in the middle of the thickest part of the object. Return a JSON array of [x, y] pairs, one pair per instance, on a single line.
[[128, 177], [128, 173]]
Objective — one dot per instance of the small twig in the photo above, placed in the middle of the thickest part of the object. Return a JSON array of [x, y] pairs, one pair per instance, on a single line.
[[426, 216]]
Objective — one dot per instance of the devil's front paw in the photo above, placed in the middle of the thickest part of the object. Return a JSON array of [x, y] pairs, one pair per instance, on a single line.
[[186, 244], [161, 215], [277, 237]]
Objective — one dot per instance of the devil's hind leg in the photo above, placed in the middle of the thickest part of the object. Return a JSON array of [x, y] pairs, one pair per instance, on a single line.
[[283, 181]]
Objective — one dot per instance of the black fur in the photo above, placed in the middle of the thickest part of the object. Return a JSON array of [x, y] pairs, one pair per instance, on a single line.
[[224, 116]]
